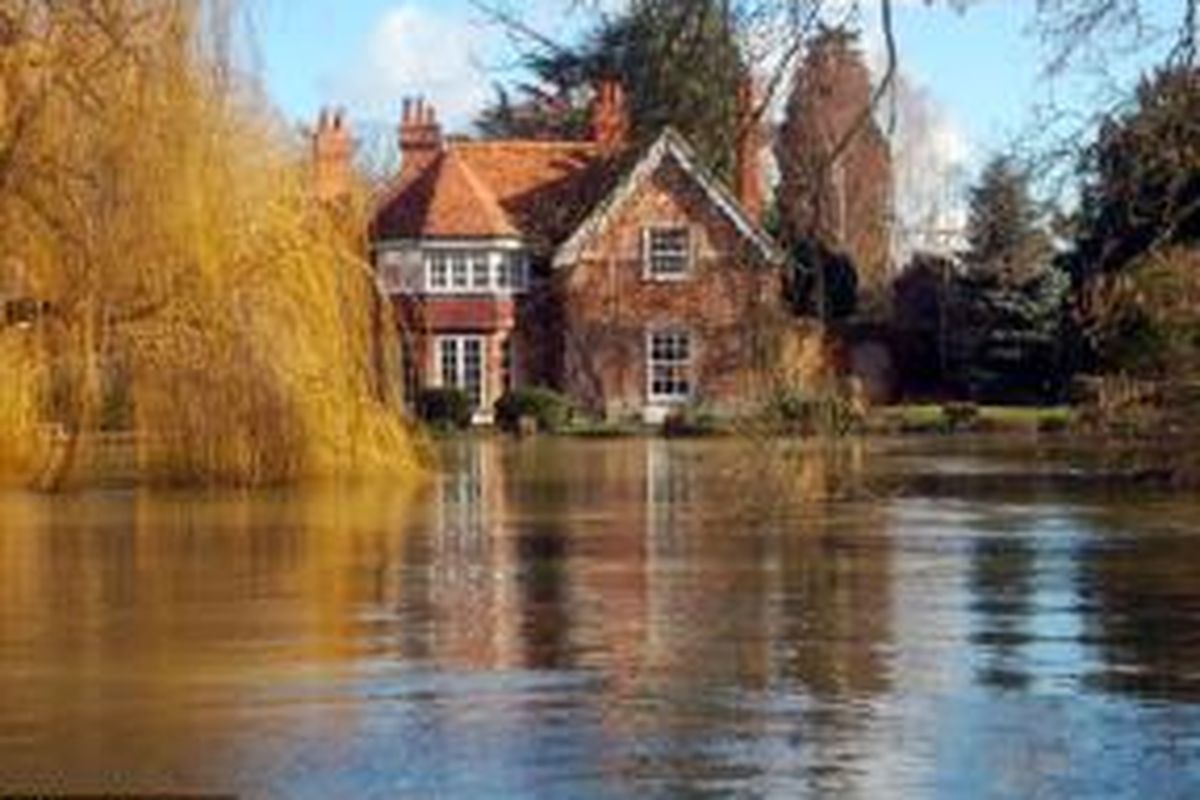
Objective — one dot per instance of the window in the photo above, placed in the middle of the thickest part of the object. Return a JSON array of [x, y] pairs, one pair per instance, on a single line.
[[458, 270], [466, 271], [460, 359], [512, 272], [669, 364], [668, 253], [439, 271], [480, 270]]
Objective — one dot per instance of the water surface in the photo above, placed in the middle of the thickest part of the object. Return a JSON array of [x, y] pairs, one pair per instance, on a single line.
[[613, 619]]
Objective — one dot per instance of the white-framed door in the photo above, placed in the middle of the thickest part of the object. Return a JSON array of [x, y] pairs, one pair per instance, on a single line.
[[461, 364]]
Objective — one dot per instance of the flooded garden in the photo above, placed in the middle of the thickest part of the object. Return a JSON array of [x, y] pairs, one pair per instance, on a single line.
[[628, 617]]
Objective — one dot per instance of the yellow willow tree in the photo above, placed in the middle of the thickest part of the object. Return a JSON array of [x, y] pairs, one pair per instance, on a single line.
[[166, 223]]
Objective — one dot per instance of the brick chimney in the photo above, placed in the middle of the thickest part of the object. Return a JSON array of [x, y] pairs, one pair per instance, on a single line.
[[420, 137], [748, 180], [333, 149], [610, 116]]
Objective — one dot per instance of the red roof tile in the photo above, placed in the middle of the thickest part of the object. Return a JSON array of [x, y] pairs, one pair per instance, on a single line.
[[537, 190]]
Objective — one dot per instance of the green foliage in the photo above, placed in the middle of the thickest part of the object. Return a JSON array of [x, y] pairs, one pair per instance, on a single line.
[[920, 308], [1003, 228], [805, 412], [1008, 344], [691, 421], [1007, 308], [445, 408], [1145, 321], [1142, 175], [679, 61], [550, 410], [1135, 265], [960, 415]]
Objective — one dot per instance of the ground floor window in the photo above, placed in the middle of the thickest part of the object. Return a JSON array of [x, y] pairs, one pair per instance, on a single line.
[[460, 362], [669, 366]]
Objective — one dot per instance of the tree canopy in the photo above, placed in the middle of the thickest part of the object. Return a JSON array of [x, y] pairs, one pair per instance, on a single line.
[[680, 63]]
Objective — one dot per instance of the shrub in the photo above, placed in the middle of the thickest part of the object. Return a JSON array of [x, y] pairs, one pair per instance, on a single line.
[[690, 421], [445, 408], [808, 413], [960, 416], [550, 410]]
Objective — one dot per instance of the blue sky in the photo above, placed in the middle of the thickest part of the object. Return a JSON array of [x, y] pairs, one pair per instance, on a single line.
[[973, 79], [981, 66]]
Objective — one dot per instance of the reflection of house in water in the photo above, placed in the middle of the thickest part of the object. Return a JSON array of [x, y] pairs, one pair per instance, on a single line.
[[630, 560]]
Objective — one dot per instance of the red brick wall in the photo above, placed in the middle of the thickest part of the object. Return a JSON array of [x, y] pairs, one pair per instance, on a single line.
[[609, 305]]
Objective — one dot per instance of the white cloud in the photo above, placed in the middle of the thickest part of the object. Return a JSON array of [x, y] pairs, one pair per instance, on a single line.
[[420, 50], [448, 53]]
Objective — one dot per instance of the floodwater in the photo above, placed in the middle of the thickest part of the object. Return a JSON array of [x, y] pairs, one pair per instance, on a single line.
[[614, 619]]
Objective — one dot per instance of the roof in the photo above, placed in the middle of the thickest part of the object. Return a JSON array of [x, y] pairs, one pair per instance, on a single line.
[[553, 195], [670, 145], [539, 191], [447, 200]]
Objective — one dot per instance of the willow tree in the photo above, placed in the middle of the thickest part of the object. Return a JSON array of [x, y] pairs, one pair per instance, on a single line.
[[165, 224]]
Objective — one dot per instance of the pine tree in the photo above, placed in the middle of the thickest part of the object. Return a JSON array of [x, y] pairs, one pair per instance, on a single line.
[[1008, 306], [679, 61]]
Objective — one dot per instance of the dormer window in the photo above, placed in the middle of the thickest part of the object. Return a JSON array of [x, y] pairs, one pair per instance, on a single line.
[[668, 253]]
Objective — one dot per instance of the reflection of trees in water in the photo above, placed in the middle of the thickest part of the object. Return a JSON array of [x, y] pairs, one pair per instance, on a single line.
[[1141, 588], [833, 635], [136, 624], [1002, 588]]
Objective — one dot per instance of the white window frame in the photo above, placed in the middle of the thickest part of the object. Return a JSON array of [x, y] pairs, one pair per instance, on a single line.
[[436, 262], [460, 342], [648, 253], [688, 365], [457, 270]]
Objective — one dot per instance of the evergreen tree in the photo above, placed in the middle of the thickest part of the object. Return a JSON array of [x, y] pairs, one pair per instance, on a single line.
[[1008, 305], [1138, 223], [679, 61], [1003, 231], [1142, 175]]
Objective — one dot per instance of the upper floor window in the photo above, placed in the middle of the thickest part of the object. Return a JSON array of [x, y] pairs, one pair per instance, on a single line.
[[476, 271], [668, 253], [512, 272], [438, 265]]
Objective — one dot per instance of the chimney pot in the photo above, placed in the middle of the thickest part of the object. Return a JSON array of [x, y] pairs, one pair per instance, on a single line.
[[420, 136]]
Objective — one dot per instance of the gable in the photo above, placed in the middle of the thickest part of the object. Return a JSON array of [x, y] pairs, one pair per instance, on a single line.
[[670, 149]]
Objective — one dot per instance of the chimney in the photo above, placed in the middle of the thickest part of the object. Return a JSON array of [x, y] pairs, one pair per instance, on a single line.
[[332, 152], [420, 137], [610, 116], [750, 144]]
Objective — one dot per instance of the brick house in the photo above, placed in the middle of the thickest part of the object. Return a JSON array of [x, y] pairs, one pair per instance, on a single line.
[[629, 278]]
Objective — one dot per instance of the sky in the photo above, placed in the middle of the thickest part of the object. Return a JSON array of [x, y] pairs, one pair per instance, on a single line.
[[972, 80]]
